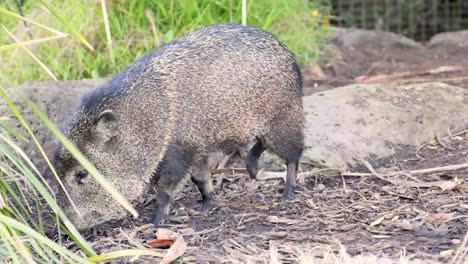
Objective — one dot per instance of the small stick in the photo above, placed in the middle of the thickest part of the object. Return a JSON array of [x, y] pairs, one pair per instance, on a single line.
[[373, 172], [396, 76], [421, 80], [414, 172], [442, 143], [229, 171], [267, 175], [459, 133]]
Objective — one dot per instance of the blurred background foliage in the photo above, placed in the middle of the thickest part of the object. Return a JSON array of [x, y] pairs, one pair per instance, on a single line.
[[137, 27]]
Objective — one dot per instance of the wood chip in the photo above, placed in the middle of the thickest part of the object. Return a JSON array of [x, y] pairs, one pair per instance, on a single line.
[[277, 235], [276, 220], [378, 221]]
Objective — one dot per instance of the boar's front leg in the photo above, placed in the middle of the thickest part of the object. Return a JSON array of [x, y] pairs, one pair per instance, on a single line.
[[162, 204], [170, 177]]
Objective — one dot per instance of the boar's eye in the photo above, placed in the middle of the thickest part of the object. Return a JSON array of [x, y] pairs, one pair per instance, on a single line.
[[80, 176]]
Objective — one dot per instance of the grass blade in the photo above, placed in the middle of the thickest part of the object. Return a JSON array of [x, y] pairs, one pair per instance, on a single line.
[[125, 253], [30, 42], [67, 25], [8, 13], [39, 237], [43, 66], [50, 200]]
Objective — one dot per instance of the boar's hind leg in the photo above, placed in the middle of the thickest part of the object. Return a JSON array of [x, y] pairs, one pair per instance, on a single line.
[[252, 156], [291, 175], [202, 179], [286, 139], [170, 176]]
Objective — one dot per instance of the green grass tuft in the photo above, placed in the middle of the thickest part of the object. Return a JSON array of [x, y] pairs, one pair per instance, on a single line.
[[138, 27]]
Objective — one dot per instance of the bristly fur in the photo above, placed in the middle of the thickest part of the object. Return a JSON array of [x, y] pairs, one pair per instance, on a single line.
[[213, 89]]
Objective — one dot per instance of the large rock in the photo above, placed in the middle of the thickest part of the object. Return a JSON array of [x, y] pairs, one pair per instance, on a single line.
[[361, 38], [55, 99], [343, 124], [455, 41], [352, 122]]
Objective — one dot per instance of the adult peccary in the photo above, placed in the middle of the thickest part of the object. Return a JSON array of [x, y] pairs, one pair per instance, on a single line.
[[213, 89]]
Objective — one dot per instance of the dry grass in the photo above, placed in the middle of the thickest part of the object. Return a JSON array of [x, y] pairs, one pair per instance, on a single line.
[[317, 254]]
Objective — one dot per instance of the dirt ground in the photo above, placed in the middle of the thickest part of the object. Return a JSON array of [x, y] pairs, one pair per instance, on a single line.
[[420, 216]]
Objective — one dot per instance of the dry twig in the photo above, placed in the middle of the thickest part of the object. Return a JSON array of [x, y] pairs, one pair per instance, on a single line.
[[461, 256], [268, 175], [382, 78], [413, 172], [423, 80]]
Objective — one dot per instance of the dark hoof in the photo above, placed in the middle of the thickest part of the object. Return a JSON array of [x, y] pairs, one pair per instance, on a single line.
[[206, 207], [158, 218], [252, 173], [156, 224], [288, 195]]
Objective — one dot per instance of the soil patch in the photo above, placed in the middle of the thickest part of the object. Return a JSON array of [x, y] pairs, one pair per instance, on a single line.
[[367, 215]]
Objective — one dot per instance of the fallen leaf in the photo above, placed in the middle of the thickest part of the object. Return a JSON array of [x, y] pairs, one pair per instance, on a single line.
[[443, 217], [163, 233], [378, 221], [449, 185], [187, 231], [176, 250], [160, 243], [396, 218]]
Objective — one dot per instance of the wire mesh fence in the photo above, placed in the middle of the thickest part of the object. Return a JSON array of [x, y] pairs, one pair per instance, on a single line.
[[417, 19]]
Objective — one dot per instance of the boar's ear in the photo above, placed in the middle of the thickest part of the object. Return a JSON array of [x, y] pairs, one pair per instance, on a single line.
[[106, 125]]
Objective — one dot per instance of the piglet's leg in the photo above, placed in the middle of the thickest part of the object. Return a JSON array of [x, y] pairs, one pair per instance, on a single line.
[[203, 181], [162, 204]]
